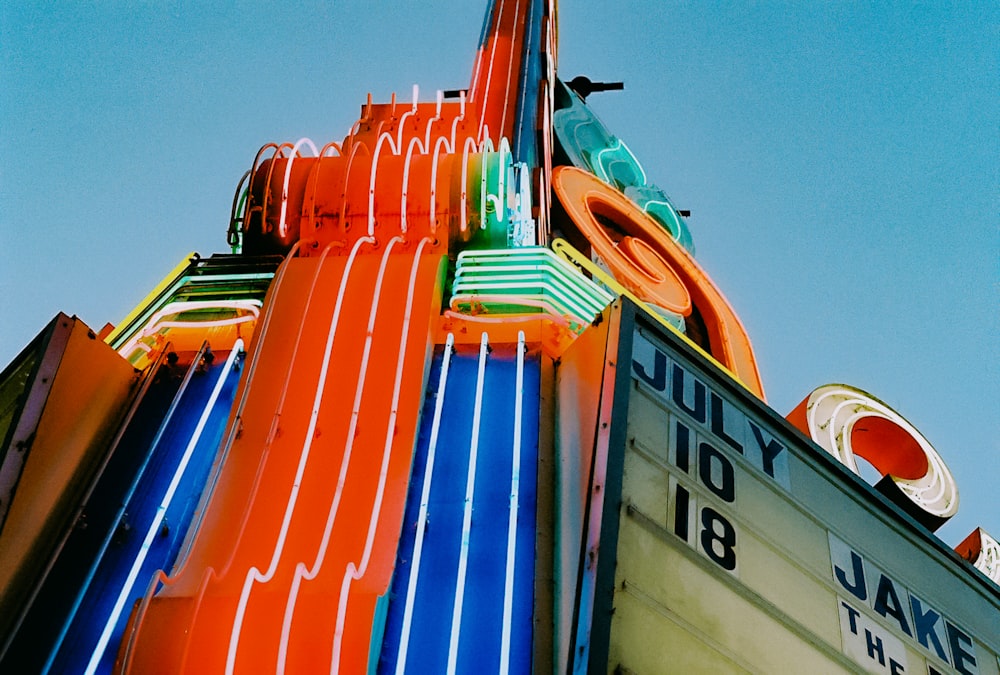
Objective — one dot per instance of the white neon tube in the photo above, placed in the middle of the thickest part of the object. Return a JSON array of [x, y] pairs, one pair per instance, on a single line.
[[155, 322], [489, 74], [126, 590], [300, 570], [353, 572], [288, 173], [515, 480], [441, 141], [414, 142], [253, 574], [371, 183], [425, 497], [470, 489], [510, 67]]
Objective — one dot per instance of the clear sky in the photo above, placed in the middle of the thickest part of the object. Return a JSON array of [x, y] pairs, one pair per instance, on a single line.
[[841, 162]]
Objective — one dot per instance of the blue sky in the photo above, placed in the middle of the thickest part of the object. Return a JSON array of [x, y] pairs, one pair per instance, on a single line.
[[841, 162]]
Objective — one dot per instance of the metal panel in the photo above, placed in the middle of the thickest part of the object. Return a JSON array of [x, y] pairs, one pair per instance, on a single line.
[[462, 595], [73, 408], [741, 546], [303, 519], [154, 516]]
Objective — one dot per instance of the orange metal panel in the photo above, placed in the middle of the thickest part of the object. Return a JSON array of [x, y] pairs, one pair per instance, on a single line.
[[498, 68], [312, 492], [400, 170], [89, 392]]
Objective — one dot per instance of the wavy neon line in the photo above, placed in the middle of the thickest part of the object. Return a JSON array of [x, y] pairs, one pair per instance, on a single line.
[[300, 570], [232, 433], [353, 572], [253, 574]]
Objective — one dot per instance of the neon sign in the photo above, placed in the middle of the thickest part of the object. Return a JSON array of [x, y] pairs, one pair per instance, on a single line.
[[647, 261], [589, 145], [848, 422]]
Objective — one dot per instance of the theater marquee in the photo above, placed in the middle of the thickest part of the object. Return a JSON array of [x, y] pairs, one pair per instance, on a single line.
[[731, 542]]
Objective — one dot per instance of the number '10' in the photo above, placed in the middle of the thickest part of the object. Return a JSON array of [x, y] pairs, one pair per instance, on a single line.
[[717, 535]]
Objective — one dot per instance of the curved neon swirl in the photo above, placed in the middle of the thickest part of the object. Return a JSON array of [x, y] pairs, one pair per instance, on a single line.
[[842, 420], [592, 147], [652, 265], [158, 321], [597, 164], [989, 558], [983, 551]]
